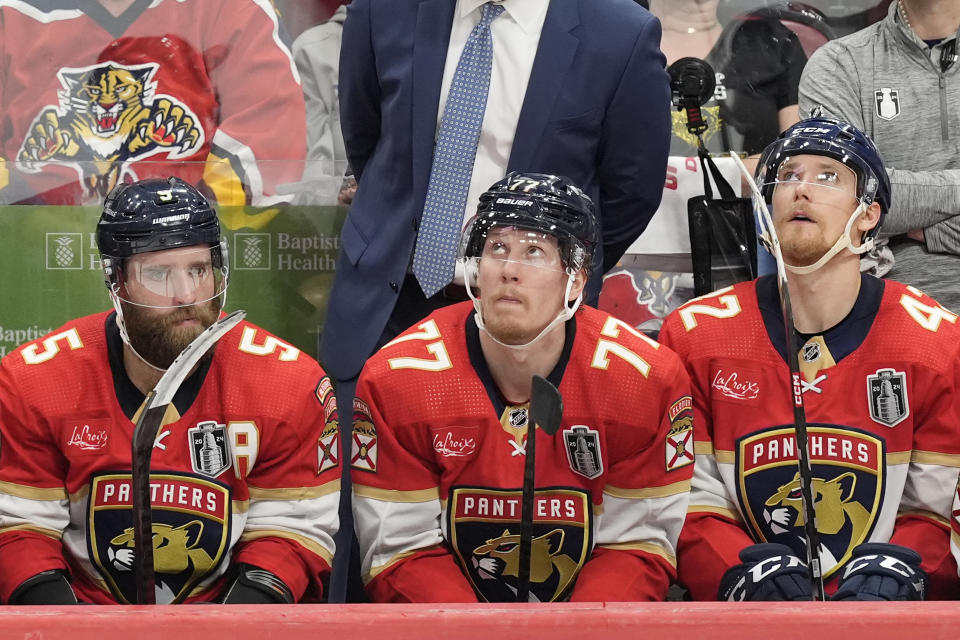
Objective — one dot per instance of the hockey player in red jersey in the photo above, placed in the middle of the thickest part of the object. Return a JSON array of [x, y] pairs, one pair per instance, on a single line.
[[244, 490], [440, 426], [878, 365]]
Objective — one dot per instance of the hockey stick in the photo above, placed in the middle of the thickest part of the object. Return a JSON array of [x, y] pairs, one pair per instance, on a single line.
[[799, 413], [144, 436], [546, 410]]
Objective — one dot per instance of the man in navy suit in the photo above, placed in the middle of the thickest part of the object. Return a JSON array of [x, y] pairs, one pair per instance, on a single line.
[[577, 88]]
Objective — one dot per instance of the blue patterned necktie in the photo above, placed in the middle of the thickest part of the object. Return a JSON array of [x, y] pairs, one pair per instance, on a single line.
[[435, 256]]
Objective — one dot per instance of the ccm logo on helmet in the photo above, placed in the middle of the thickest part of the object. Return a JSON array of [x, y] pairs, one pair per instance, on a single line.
[[813, 130], [168, 219], [514, 202]]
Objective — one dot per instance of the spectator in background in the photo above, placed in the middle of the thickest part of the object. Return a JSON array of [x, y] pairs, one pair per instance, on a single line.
[[758, 62], [898, 80], [119, 90], [317, 53]]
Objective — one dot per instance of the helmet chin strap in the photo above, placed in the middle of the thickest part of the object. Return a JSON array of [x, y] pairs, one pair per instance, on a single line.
[[470, 272], [843, 242]]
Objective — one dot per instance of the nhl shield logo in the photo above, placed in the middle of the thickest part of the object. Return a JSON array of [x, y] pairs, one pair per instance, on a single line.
[[888, 103], [209, 452], [887, 395], [583, 450], [811, 352]]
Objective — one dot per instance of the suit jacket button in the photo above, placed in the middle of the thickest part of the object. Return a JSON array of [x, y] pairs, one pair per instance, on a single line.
[[393, 285]]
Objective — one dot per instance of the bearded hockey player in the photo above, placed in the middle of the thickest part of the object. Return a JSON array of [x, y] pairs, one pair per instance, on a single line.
[[244, 499], [879, 366], [440, 426]]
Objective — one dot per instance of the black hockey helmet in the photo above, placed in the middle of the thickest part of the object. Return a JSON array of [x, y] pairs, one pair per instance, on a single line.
[[156, 215], [152, 215], [834, 139], [548, 204]]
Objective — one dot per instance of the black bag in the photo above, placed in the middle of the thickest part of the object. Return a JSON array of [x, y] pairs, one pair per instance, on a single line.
[[723, 235]]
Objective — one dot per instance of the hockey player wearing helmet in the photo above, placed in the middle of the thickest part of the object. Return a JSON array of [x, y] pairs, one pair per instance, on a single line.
[[877, 360], [243, 507], [165, 266], [440, 426]]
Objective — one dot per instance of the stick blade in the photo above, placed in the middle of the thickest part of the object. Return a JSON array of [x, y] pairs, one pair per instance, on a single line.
[[546, 405]]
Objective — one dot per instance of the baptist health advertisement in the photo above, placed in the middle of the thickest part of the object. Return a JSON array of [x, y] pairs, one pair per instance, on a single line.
[[282, 263]]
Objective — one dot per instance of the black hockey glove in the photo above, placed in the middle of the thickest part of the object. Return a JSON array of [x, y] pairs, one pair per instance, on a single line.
[[883, 571], [253, 585], [769, 571], [49, 587]]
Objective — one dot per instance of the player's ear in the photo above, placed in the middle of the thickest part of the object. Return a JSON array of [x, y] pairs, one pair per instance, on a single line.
[[579, 282], [869, 218]]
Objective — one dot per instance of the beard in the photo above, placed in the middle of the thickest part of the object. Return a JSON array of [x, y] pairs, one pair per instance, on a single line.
[[803, 249], [156, 338], [508, 332]]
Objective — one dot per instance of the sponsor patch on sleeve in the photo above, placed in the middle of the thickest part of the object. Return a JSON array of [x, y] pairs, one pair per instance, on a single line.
[[679, 447]]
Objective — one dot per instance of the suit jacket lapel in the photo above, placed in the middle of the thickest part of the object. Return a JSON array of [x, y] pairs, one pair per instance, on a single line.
[[432, 38], [554, 56]]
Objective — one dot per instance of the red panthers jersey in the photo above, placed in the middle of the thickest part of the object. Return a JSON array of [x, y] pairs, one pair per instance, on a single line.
[[240, 472], [881, 404], [192, 88], [438, 461]]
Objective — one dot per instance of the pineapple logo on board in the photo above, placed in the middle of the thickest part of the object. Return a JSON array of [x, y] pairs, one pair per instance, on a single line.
[[251, 251], [65, 251]]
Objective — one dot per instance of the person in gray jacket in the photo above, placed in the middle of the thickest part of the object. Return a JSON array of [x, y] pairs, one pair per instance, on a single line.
[[317, 54], [898, 81]]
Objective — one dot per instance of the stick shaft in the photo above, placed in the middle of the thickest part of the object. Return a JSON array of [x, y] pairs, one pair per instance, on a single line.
[[526, 514]]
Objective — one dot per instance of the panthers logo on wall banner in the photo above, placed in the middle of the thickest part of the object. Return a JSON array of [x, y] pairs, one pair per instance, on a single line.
[[109, 115], [191, 530], [848, 485], [484, 526]]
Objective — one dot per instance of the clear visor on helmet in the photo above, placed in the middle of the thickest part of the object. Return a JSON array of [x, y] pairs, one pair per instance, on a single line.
[[513, 247], [177, 277], [827, 166], [818, 179]]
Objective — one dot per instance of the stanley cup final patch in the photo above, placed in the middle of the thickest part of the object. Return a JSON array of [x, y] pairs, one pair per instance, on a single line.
[[887, 396], [887, 103], [679, 450], [209, 453], [583, 450]]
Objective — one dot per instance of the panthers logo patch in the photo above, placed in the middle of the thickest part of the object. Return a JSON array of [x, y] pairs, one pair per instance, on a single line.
[[191, 531], [848, 485], [109, 115], [484, 526]]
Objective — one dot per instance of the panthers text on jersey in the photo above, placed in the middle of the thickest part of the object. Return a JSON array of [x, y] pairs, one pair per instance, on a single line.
[[171, 87], [880, 393], [242, 469], [438, 461]]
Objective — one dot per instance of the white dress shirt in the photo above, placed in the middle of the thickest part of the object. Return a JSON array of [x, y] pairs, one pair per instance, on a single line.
[[516, 34]]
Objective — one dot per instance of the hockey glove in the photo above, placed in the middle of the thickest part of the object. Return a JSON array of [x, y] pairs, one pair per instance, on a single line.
[[769, 571], [883, 571], [48, 587], [253, 585]]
